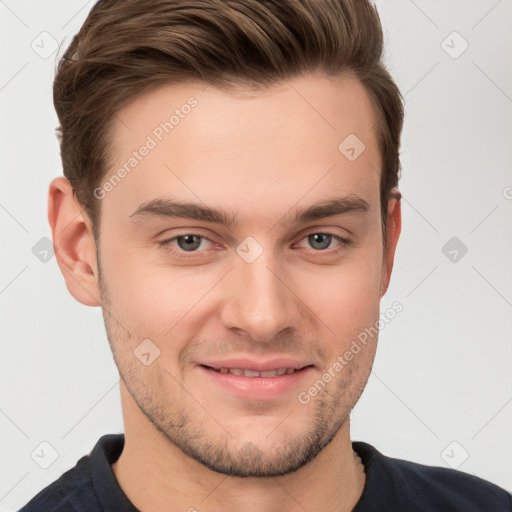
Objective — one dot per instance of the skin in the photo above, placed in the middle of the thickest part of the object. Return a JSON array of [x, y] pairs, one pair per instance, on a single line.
[[189, 443]]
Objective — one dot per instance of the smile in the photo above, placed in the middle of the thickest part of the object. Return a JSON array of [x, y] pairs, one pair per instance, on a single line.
[[252, 373]]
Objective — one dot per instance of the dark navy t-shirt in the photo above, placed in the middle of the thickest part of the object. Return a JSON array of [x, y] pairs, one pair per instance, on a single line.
[[391, 485]]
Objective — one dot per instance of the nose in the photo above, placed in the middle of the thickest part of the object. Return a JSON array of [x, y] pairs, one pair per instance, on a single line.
[[259, 301]]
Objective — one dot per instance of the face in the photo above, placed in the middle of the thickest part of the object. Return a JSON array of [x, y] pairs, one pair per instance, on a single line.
[[241, 255]]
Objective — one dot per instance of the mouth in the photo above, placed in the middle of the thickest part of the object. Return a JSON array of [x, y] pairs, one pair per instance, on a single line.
[[249, 379], [277, 372]]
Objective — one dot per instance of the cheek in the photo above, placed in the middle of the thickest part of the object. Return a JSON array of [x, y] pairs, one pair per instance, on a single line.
[[346, 295], [152, 299], [135, 292]]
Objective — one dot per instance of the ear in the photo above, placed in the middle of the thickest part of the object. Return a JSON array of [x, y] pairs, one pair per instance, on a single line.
[[393, 229], [75, 249]]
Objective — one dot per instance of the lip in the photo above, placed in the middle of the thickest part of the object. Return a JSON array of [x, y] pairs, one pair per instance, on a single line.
[[257, 388], [257, 366]]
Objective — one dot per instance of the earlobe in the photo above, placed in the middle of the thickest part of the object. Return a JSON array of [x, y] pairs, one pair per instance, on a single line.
[[75, 249], [393, 229]]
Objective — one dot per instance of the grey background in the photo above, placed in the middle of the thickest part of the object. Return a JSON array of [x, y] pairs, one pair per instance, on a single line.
[[441, 388]]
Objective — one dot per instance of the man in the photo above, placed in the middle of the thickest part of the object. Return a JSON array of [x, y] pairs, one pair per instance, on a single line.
[[230, 200]]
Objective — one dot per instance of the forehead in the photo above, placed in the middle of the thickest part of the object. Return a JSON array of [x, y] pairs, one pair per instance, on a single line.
[[294, 142]]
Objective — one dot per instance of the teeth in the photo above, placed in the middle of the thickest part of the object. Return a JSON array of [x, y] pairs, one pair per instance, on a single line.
[[252, 373]]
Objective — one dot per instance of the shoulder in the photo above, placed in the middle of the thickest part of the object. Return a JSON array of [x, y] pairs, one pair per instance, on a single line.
[[77, 488], [448, 487], [72, 489], [422, 487]]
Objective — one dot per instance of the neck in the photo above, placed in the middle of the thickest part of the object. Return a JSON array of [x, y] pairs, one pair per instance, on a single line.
[[156, 475]]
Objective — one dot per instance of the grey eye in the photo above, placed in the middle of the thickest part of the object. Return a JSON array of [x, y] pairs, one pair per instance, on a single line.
[[320, 240], [189, 242]]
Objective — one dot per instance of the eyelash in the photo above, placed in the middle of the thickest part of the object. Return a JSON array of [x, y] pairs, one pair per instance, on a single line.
[[180, 253]]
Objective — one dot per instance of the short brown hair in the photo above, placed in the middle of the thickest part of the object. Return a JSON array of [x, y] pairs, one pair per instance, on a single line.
[[128, 47]]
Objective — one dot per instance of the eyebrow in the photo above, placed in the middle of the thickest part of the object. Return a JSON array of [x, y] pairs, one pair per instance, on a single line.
[[170, 208]]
